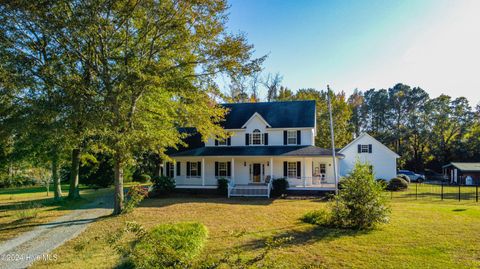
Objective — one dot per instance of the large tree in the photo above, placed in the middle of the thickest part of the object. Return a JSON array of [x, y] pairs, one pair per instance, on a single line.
[[152, 65]]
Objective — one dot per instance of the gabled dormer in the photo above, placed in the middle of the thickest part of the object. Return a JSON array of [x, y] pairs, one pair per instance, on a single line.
[[291, 123]]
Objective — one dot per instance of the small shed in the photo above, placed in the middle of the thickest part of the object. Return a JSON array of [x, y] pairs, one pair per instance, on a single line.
[[462, 173]]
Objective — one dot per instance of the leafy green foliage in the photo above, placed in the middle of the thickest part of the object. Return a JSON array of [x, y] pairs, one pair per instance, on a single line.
[[279, 186], [222, 186], [359, 205], [142, 178], [135, 196], [97, 170], [165, 246], [317, 217], [163, 185], [397, 184]]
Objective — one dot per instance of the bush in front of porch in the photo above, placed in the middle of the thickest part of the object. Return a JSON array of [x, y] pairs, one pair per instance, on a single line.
[[279, 186], [222, 186], [359, 205]]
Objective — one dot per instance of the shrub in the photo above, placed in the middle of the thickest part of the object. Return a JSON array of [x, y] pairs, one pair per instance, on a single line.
[[382, 182], [279, 186], [143, 178], [359, 205], [404, 177], [397, 184], [222, 186], [169, 246], [318, 217], [135, 195], [163, 184]]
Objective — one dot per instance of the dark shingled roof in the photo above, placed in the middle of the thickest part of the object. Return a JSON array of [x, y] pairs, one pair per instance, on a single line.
[[257, 151], [290, 114]]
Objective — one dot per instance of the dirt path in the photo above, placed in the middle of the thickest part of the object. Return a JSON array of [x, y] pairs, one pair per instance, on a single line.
[[22, 251]]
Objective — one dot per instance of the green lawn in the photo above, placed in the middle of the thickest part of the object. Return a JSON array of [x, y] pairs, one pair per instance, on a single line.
[[421, 234], [37, 206]]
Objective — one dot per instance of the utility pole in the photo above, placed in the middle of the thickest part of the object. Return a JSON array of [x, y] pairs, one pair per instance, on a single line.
[[332, 135]]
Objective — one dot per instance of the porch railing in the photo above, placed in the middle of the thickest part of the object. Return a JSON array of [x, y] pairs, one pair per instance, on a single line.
[[231, 185], [304, 182]]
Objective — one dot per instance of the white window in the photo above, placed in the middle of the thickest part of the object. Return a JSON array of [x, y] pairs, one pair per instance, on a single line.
[[257, 137], [291, 137], [222, 169], [292, 170], [194, 169], [364, 149]]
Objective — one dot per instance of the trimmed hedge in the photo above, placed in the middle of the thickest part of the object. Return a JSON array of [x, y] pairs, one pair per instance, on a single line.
[[163, 184], [279, 186], [169, 246], [222, 186], [397, 184], [404, 177]]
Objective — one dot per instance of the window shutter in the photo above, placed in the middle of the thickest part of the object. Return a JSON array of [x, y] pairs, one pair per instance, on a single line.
[[247, 139], [299, 137], [284, 137], [285, 169], [359, 148], [370, 148], [199, 165], [188, 169], [216, 142], [299, 169], [265, 139], [229, 141], [216, 169], [229, 169], [178, 169], [168, 169]]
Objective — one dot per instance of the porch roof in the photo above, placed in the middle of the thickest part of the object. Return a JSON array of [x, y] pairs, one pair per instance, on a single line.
[[308, 151]]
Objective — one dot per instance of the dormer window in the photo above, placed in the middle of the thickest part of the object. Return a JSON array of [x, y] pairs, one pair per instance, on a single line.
[[257, 137], [292, 137]]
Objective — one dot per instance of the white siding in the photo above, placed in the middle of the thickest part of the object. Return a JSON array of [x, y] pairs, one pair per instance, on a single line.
[[383, 160], [275, 136]]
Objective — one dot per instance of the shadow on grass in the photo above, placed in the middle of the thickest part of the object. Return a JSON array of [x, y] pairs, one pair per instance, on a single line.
[[55, 224], [181, 198], [306, 236]]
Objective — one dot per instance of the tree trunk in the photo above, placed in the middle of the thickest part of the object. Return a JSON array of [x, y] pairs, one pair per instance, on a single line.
[[57, 188], [118, 199], [73, 192]]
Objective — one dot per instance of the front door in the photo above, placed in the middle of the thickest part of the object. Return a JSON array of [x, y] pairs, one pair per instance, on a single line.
[[256, 173]]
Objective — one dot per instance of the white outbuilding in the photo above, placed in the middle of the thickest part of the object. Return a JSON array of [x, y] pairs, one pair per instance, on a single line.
[[365, 148]]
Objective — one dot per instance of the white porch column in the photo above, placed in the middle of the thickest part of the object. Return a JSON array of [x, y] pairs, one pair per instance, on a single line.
[[164, 166], [271, 168], [304, 172], [233, 171], [203, 171]]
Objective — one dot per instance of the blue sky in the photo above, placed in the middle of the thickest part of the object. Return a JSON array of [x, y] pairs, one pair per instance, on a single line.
[[433, 44]]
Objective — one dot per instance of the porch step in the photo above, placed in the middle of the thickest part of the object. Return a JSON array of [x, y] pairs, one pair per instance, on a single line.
[[253, 191]]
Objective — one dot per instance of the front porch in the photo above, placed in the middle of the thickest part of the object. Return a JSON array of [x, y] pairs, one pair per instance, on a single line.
[[252, 176]]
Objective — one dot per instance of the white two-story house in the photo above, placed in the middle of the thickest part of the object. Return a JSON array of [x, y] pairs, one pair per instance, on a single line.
[[270, 140]]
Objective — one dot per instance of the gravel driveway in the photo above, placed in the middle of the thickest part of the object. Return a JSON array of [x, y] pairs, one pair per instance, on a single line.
[[22, 251]]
